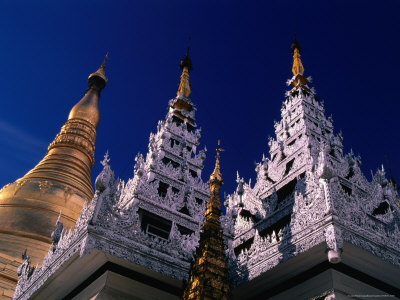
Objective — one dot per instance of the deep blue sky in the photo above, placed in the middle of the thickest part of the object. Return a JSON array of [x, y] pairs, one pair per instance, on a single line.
[[241, 57]]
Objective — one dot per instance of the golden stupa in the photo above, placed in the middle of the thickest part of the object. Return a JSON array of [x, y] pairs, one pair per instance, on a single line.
[[29, 207]]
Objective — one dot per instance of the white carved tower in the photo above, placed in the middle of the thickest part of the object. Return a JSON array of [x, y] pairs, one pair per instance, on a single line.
[[165, 200], [308, 195]]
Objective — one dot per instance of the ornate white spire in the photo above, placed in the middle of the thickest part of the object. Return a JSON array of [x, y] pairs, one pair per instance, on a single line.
[[305, 180]]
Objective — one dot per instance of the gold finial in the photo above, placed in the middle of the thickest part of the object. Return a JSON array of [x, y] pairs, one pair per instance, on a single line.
[[101, 71], [186, 67], [103, 65], [297, 68], [216, 174], [87, 109], [218, 151]]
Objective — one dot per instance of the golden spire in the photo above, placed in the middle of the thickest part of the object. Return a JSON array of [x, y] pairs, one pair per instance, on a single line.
[[297, 64], [208, 273], [297, 68], [186, 67], [213, 210], [60, 181]]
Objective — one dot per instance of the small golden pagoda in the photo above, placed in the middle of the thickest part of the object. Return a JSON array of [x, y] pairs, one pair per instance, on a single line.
[[208, 277], [29, 207]]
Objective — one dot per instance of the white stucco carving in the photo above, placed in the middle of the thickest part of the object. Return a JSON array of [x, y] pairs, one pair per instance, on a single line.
[[307, 193]]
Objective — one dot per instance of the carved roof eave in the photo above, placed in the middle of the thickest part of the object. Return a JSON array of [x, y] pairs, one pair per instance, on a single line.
[[90, 243], [309, 239], [366, 235]]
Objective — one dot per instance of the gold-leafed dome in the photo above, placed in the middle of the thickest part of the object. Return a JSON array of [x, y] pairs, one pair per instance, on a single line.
[[61, 181]]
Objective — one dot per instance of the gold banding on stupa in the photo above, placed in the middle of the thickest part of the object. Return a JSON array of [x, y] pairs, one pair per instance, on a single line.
[[61, 181]]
